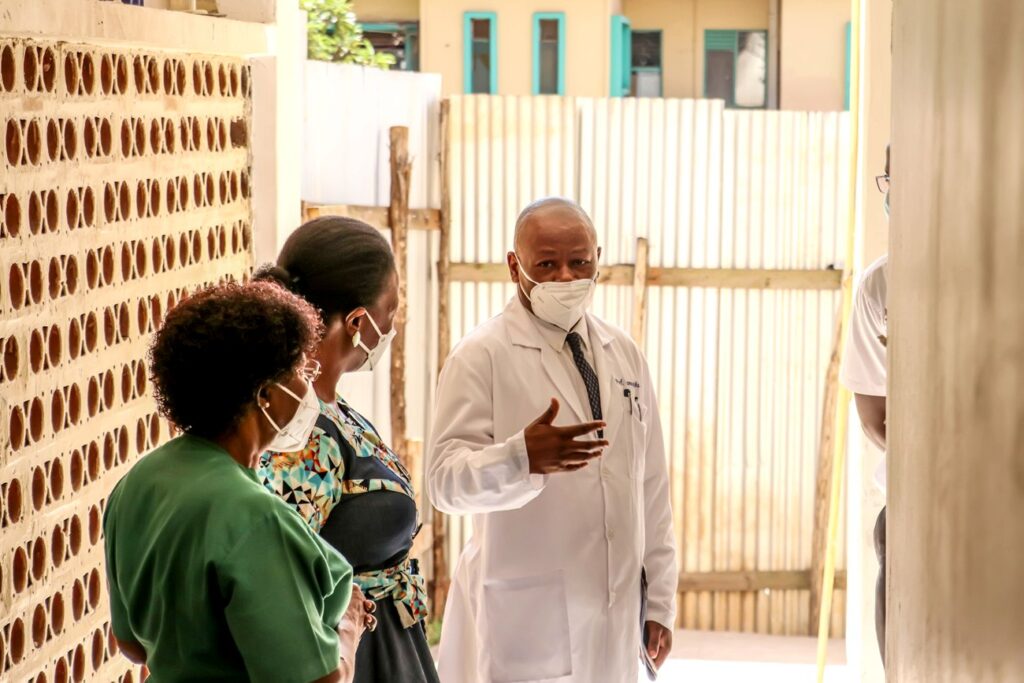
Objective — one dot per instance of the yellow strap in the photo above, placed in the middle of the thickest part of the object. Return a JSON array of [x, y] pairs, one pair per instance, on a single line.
[[843, 403]]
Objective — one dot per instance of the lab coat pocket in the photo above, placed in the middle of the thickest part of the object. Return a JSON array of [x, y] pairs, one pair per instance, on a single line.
[[527, 622], [639, 442]]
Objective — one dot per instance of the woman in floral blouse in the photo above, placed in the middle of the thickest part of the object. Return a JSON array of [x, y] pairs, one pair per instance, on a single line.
[[345, 482]]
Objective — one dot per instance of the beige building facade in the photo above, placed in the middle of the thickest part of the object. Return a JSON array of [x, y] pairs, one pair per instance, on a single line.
[[812, 51], [586, 26], [682, 24], [787, 54]]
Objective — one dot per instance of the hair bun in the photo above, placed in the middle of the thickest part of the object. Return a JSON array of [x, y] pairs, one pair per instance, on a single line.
[[274, 273]]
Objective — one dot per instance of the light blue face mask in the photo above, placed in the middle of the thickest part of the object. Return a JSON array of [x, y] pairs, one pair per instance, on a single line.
[[885, 204]]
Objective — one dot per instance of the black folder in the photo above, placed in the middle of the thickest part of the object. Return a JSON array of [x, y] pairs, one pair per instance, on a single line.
[[652, 672]]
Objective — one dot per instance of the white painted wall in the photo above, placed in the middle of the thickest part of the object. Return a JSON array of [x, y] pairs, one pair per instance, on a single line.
[[288, 45], [264, 149], [91, 20], [258, 11], [348, 112]]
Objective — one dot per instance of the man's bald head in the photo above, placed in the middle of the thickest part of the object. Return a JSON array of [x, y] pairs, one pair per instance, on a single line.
[[550, 213], [555, 241]]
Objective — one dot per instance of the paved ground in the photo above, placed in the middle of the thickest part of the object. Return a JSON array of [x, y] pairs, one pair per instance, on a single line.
[[704, 657], [709, 657]]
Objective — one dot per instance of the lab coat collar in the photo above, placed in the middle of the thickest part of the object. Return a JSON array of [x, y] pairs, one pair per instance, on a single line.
[[524, 331], [555, 336], [524, 327]]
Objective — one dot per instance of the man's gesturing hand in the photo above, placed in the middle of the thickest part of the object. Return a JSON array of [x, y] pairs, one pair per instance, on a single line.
[[557, 449]]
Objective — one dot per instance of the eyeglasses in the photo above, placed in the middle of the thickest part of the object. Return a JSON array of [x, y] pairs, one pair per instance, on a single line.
[[310, 371], [882, 181]]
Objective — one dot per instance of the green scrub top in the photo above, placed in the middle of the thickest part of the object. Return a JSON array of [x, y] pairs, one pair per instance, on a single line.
[[217, 578]]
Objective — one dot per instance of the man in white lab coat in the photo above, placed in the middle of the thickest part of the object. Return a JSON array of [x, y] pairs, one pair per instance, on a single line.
[[864, 373], [546, 430]]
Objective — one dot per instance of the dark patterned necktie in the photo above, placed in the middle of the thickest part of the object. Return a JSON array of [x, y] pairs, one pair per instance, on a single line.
[[587, 373]]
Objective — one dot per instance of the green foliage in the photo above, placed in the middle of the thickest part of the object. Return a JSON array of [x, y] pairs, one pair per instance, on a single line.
[[335, 36]]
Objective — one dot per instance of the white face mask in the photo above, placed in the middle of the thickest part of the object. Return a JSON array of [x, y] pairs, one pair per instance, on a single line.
[[560, 303], [373, 355], [885, 204], [295, 435]]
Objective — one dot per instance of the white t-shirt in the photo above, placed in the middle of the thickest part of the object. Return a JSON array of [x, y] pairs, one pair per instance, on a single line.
[[864, 368]]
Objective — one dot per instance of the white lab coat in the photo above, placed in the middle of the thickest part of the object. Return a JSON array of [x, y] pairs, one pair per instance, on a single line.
[[548, 586]]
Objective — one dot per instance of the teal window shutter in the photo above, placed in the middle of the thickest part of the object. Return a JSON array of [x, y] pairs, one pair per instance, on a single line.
[[720, 40], [409, 57], [549, 53], [380, 26], [480, 52], [724, 52], [621, 55]]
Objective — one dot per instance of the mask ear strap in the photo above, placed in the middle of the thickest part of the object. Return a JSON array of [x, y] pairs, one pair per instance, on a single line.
[[350, 318], [288, 391], [380, 335], [261, 400], [522, 271], [263, 404]]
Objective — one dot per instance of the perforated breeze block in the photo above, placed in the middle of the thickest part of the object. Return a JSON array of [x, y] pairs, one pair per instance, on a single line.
[[124, 187]]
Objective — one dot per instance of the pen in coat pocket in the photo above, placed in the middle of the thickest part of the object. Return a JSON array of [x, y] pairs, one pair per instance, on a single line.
[[630, 399]]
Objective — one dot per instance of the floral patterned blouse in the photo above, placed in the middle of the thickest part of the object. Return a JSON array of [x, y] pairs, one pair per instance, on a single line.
[[326, 482]]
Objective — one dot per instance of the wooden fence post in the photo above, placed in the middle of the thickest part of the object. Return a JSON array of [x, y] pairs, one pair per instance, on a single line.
[[823, 480], [439, 544], [398, 221], [640, 292]]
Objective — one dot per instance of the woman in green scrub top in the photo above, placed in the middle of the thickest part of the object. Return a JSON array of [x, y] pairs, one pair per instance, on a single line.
[[211, 577]]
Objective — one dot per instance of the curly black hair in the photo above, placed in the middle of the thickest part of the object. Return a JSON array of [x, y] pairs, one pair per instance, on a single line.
[[218, 348]]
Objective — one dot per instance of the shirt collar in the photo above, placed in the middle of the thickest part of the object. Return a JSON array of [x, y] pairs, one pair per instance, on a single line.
[[555, 336]]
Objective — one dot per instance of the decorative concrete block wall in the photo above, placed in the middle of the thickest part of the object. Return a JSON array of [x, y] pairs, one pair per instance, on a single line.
[[124, 186]]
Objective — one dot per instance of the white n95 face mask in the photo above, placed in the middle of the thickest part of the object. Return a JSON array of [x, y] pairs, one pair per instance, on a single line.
[[295, 435], [560, 303], [373, 355]]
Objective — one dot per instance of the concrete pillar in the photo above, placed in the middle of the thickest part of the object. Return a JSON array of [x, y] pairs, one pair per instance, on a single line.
[[956, 343], [277, 132]]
